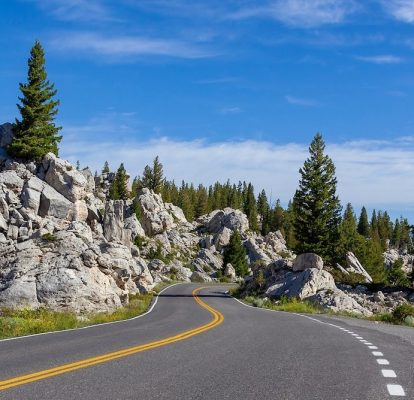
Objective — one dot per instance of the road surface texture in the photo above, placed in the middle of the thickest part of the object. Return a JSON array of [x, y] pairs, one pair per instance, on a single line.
[[212, 347]]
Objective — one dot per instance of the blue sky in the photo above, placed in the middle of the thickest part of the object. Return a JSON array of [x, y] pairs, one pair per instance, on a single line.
[[228, 89]]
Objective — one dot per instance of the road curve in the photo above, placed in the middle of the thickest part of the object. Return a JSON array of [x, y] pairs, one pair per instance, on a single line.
[[243, 353]]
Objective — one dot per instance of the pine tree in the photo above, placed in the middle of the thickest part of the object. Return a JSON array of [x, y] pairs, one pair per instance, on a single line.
[[263, 208], [363, 224], [202, 201], [235, 254], [350, 239], [105, 169], [157, 176], [277, 217], [316, 205], [250, 207], [147, 177], [36, 133], [78, 165], [119, 187]]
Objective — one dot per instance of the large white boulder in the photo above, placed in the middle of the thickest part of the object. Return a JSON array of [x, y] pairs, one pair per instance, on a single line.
[[64, 178], [307, 260], [113, 225], [228, 218], [155, 218], [53, 204], [302, 284]]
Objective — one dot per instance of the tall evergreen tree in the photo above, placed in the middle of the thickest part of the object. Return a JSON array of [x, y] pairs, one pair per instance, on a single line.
[[147, 177], [119, 186], [235, 254], [350, 239], [105, 169], [316, 205], [36, 133], [363, 224], [250, 207], [157, 176]]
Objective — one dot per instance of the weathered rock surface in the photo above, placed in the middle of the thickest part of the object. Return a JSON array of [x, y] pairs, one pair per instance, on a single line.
[[155, 217], [200, 277], [302, 284], [64, 178], [307, 260], [227, 218], [337, 300], [353, 265]]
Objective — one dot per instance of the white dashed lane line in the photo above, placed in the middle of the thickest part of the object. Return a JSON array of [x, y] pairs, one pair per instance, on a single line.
[[393, 389], [388, 373]]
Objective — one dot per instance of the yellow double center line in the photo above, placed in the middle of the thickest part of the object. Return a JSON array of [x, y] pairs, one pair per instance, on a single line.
[[218, 318]]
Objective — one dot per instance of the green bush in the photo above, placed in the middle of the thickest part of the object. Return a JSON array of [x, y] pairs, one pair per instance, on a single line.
[[396, 276], [49, 237], [348, 279], [140, 241], [403, 311]]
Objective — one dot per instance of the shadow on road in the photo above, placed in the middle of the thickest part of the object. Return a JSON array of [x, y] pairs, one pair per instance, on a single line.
[[212, 294]]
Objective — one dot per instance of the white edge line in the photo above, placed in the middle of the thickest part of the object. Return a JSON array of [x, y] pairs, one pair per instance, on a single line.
[[95, 325]]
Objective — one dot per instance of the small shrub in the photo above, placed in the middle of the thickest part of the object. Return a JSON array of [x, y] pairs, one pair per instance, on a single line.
[[284, 254], [348, 279], [260, 279], [140, 242], [49, 237], [402, 312], [396, 276]]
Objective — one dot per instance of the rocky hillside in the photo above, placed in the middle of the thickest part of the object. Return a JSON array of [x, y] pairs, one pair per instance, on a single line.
[[65, 246]]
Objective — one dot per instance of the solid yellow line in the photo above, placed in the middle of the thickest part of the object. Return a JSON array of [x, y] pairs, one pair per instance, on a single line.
[[218, 318]]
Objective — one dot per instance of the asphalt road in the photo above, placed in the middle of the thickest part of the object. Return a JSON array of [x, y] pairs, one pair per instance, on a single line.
[[252, 354]]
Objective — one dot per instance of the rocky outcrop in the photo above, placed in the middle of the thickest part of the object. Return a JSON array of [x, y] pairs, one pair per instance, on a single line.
[[64, 178], [302, 284], [113, 225], [392, 255], [155, 217], [353, 265], [307, 260], [227, 218], [230, 272], [338, 301], [200, 277]]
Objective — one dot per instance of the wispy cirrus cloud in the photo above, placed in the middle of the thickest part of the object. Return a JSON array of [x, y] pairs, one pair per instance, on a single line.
[[230, 110], [121, 47], [300, 101], [301, 13], [381, 59], [402, 10], [76, 10]]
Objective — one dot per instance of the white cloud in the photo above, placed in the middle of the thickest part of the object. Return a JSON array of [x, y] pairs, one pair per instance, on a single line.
[[76, 10], [301, 13], [381, 59], [402, 10], [120, 47], [230, 110], [371, 173], [298, 101]]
